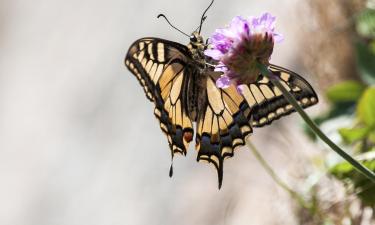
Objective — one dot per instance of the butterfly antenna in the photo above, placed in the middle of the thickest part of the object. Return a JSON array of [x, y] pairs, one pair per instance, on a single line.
[[204, 16], [162, 15]]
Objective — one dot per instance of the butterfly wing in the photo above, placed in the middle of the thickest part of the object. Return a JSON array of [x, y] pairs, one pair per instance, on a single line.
[[222, 125], [228, 117], [267, 102], [160, 67]]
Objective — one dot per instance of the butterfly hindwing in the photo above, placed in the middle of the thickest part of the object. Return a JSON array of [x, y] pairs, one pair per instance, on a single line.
[[174, 120], [159, 65], [222, 125], [267, 102]]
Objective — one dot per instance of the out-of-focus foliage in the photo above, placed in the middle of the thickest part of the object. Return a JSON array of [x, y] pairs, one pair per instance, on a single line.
[[362, 186], [361, 136], [342, 57], [355, 101], [366, 107], [365, 48], [366, 23], [364, 128], [349, 91], [351, 135], [366, 61]]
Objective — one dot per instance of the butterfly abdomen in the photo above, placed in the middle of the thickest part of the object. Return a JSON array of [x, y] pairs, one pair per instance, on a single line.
[[195, 93]]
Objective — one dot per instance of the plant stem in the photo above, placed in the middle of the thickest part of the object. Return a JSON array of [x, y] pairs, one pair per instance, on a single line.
[[275, 81], [274, 176]]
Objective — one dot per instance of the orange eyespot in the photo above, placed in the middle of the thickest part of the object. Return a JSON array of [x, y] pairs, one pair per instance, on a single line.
[[188, 136]]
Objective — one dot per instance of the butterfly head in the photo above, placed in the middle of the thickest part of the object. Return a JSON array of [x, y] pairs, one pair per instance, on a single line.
[[197, 47], [196, 40]]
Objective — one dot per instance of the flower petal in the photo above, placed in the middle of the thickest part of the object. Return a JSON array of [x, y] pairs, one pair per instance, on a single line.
[[278, 37], [228, 33], [268, 21], [223, 82], [238, 25], [221, 67], [213, 53], [240, 89]]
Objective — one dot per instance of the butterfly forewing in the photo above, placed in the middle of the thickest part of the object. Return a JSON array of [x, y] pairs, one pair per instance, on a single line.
[[160, 66]]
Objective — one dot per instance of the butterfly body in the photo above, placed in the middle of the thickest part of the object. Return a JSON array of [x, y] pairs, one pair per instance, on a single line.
[[180, 80], [195, 85], [197, 72]]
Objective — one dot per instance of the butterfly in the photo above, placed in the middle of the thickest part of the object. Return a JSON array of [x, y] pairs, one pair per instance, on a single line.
[[180, 81]]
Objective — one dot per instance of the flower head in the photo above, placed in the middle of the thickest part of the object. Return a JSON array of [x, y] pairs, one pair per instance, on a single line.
[[239, 46]]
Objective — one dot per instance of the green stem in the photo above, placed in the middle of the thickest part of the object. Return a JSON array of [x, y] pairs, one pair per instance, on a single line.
[[275, 81], [274, 176]]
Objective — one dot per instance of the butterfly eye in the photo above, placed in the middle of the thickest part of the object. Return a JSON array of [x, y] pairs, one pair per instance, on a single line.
[[193, 38]]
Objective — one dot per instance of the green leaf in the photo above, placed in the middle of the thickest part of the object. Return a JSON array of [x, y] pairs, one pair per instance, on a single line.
[[366, 23], [351, 135], [342, 168], [365, 62], [372, 47], [371, 136], [364, 188], [348, 91], [366, 107]]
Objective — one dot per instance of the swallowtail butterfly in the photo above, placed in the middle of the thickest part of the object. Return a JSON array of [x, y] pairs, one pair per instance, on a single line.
[[180, 80]]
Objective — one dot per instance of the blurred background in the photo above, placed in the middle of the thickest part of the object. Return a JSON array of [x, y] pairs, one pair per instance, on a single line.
[[79, 143]]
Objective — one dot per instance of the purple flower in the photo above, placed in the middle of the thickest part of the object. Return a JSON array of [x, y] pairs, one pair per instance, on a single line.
[[239, 46]]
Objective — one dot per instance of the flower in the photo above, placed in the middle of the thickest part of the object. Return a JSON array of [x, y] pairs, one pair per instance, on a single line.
[[240, 46]]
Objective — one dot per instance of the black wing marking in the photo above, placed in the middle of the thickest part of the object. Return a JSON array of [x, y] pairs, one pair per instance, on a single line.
[[267, 102], [222, 126], [148, 57], [160, 67]]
